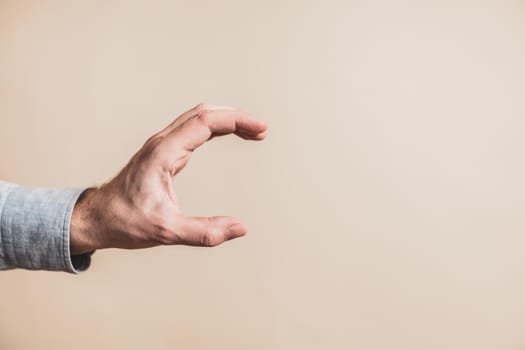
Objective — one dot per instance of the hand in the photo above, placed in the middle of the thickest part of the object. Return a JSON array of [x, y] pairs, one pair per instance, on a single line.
[[138, 209]]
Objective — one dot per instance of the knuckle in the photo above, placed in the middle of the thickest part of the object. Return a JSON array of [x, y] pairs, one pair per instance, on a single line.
[[205, 116], [152, 149], [200, 107], [208, 239], [153, 139]]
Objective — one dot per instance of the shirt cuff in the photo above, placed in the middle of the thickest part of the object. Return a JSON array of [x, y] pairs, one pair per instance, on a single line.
[[35, 229]]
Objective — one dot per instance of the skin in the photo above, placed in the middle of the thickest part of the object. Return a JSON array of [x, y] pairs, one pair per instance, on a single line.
[[138, 208]]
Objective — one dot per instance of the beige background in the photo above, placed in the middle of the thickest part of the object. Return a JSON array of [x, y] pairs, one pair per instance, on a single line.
[[386, 208]]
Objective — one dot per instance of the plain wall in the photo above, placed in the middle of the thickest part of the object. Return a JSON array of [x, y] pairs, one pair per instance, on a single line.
[[385, 209]]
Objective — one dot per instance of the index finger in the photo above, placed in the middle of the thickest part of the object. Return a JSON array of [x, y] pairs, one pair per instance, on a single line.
[[195, 131]]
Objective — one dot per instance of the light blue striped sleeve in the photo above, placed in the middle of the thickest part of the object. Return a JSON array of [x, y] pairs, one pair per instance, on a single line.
[[34, 229]]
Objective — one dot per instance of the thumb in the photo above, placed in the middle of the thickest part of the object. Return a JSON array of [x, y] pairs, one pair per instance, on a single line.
[[208, 231]]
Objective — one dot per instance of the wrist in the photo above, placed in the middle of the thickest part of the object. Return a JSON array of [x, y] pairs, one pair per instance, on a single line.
[[85, 222]]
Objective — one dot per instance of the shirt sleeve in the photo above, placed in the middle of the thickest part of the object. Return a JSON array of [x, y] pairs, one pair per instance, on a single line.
[[35, 229]]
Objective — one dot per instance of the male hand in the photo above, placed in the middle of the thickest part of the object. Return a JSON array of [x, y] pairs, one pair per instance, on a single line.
[[138, 209]]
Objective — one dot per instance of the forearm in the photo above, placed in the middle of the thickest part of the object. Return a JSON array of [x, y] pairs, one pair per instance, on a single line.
[[35, 229]]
